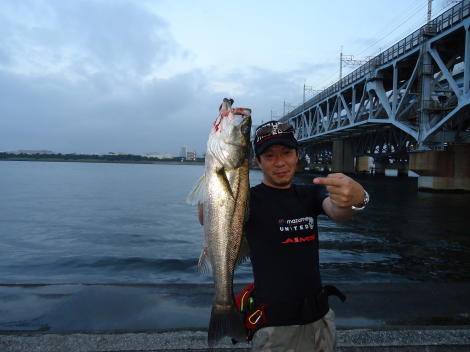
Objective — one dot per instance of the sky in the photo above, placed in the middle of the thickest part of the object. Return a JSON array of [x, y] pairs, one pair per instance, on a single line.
[[147, 76]]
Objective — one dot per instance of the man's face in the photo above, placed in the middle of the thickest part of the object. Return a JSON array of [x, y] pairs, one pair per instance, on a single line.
[[278, 163]]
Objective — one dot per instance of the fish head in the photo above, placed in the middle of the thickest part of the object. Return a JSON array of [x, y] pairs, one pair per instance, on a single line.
[[229, 141]]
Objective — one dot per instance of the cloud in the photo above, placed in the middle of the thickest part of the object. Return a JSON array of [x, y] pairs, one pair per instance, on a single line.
[[265, 90], [74, 117], [71, 70], [158, 115], [84, 37], [82, 76], [4, 58]]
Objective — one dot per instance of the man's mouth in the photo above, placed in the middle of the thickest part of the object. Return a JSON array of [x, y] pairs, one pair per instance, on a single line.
[[281, 173]]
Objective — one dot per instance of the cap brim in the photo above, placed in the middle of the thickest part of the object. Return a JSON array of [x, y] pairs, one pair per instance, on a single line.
[[291, 143]]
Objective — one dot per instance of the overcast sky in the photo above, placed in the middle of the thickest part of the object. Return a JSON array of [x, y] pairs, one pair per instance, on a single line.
[[96, 76]]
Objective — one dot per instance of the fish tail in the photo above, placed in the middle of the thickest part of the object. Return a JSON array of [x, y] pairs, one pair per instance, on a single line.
[[225, 321]]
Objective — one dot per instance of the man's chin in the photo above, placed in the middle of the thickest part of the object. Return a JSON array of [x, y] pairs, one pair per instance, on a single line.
[[283, 182]]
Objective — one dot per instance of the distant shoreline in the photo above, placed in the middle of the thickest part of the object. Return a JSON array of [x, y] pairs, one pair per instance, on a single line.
[[108, 161]]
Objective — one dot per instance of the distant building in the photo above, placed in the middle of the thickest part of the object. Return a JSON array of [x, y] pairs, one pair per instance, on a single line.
[[28, 151], [159, 155], [191, 155], [183, 152]]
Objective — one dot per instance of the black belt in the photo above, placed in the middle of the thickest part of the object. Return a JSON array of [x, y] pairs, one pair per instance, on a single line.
[[330, 290]]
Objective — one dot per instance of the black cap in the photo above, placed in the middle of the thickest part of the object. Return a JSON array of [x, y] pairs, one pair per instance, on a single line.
[[274, 132]]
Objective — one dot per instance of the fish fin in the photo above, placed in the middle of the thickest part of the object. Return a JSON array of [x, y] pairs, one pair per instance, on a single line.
[[196, 196], [224, 180], [244, 252], [225, 321], [203, 264]]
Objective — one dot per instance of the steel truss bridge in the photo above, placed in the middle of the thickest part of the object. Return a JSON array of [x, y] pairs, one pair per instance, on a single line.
[[414, 95]]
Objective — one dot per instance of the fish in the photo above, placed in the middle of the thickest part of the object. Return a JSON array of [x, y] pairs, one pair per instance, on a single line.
[[223, 194]]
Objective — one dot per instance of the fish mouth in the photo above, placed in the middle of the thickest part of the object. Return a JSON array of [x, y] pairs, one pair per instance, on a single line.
[[245, 112]]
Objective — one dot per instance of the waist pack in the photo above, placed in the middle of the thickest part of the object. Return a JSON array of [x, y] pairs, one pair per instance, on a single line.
[[257, 314]]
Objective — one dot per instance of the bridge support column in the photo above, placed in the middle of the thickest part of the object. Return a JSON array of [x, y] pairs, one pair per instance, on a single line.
[[379, 166], [443, 170], [343, 157], [402, 169], [364, 164]]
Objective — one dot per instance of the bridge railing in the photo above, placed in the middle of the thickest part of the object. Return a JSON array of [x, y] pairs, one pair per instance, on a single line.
[[447, 19]]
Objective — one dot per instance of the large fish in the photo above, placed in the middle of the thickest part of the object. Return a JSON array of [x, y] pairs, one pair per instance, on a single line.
[[223, 194]]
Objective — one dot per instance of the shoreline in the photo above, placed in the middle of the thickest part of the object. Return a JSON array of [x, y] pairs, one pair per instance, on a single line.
[[107, 161], [187, 306], [412, 339], [174, 317]]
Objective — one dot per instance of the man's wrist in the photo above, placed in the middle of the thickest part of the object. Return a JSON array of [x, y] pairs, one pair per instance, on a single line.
[[361, 206]]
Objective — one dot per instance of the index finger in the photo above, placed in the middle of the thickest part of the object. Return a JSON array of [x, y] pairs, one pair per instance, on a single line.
[[327, 181]]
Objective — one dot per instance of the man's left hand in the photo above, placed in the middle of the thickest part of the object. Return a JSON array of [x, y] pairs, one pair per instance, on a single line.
[[344, 191]]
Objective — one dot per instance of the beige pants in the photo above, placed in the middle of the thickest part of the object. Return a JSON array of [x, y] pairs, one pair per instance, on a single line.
[[319, 336]]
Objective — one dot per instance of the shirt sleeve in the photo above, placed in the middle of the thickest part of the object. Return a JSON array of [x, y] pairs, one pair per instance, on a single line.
[[312, 196], [319, 193]]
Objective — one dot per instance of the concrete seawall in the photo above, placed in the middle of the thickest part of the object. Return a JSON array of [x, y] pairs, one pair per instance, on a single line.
[[173, 317], [411, 339]]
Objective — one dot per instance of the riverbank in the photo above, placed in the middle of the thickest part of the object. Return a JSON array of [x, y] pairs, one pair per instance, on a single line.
[[413, 316], [455, 339], [163, 162], [99, 307]]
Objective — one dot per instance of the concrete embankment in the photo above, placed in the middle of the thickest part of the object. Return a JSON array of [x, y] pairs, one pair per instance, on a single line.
[[375, 317], [411, 339]]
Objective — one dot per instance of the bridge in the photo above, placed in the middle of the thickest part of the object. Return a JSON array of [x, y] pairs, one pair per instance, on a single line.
[[407, 108]]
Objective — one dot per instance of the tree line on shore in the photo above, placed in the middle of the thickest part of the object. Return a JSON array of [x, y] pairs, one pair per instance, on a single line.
[[89, 157]]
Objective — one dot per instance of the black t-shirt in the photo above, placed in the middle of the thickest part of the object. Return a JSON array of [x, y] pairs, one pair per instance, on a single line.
[[282, 235]]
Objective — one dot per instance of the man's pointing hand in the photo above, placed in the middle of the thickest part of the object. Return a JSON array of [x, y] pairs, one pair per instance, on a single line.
[[344, 191]]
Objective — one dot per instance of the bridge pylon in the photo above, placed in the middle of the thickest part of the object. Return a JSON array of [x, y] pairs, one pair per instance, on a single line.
[[445, 170]]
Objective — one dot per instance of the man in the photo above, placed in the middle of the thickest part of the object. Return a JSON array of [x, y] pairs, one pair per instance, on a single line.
[[282, 234]]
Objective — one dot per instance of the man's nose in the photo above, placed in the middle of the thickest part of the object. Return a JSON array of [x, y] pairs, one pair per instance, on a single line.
[[279, 161]]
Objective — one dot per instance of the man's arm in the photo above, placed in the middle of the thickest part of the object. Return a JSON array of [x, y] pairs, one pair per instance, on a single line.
[[344, 192], [335, 212]]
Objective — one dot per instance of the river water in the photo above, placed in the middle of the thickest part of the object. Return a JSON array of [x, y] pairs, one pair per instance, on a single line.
[[68, 223]]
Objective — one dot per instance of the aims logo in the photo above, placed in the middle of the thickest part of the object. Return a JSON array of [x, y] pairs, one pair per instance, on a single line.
[[299, 239]]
